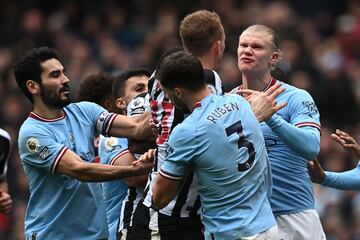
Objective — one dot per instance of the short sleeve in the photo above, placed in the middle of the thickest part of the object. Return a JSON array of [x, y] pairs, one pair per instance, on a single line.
[[39, 148], [303, 110], [110, 148], [181, 150]]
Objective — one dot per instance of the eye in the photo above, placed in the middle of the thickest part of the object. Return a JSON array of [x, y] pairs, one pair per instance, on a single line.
[[55, 74], [139, 88], [256, 46]]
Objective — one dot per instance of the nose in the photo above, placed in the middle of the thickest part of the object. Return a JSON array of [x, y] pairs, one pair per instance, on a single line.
[[247, 50], [65, 79]]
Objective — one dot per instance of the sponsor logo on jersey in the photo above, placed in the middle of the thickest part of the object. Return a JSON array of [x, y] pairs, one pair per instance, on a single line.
[[32, 145]]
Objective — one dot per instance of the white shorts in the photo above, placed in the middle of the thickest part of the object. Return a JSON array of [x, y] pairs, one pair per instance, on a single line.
[[270, 234], [303, 225]]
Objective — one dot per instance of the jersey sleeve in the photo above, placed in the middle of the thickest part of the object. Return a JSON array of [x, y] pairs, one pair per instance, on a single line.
[[181, 149], [99, 116], [38, 148], [303, 111], [110, 148], [349, 180], [5, 147]]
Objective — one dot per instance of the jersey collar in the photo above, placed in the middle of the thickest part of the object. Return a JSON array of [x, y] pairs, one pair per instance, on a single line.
[[38, 117]]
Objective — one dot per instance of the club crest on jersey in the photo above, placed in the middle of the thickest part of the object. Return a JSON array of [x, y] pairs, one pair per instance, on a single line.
[[32, 145], [111, 143], [212, 89], [137, 102]]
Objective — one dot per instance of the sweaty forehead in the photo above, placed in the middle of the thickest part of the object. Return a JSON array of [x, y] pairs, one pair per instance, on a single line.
[[51, 65]]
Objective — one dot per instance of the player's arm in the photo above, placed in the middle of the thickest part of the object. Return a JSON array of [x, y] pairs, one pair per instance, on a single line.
[[136, 127], [127, 159], [164, 190], [301, 132], [71, 164], [305, 141], [349, 180]]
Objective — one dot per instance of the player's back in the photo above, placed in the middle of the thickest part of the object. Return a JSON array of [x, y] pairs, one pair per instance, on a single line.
[[231, 165], [166, 117]]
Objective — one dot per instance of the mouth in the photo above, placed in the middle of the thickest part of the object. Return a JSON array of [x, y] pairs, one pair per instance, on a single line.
[[64, 89], [246, 60]]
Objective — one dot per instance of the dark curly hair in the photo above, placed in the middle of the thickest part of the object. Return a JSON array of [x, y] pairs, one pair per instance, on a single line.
[[96, 88]]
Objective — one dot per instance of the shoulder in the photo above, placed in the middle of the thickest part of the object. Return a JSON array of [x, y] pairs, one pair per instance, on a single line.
[[185, 130], [83, 105]]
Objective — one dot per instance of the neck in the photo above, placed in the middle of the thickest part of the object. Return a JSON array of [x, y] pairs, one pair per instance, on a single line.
[[196, 97], [46, 111], [208, 61], [256, 81]]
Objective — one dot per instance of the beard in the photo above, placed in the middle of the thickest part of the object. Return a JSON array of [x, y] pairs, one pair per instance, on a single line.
[[53, 99]]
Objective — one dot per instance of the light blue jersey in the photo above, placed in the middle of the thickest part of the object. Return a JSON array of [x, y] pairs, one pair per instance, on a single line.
[[292, 137], [222, 143], [110, 149], [62, 207], [349, 180]]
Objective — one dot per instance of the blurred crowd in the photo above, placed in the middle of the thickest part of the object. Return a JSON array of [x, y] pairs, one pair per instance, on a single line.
[[321, 53]]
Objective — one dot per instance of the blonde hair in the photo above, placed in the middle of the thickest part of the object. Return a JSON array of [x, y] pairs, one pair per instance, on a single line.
[[274, 37], [268, 30]]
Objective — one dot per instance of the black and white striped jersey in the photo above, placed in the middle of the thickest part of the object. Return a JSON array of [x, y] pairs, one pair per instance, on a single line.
[[5, 147], [165, 117]]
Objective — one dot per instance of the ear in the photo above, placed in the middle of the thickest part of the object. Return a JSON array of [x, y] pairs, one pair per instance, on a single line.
[[275, 57], [217, 47], [33, 87], [178, 91], [120, 103]]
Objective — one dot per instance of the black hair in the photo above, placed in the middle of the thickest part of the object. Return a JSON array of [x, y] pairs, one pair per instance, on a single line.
[[118, 87], [28, 67]]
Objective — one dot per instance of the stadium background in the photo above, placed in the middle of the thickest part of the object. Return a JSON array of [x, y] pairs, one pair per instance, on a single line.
[[320, 40]]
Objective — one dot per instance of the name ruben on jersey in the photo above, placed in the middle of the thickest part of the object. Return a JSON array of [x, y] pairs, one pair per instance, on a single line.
[[220, 111]]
